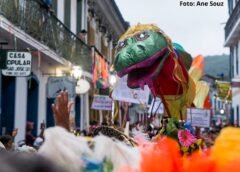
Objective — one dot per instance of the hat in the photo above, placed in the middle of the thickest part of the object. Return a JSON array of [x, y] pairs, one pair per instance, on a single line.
[[38, 142]]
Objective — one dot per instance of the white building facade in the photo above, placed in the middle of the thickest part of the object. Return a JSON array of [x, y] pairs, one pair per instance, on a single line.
[[54, 42], [54, 50], [232, 40]]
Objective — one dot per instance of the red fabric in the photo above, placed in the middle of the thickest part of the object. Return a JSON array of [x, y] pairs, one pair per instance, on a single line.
[[95, 69], [165, 152], [198, 62], [100, 69], [199, 162], [165, 81], [207, 103]]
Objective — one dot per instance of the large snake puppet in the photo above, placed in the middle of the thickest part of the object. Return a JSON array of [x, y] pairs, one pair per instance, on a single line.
[[150, 58]]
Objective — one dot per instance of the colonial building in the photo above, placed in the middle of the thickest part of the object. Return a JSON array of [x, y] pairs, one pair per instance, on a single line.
[[56, 36], [232, 40], [221, 108], [105, 25]]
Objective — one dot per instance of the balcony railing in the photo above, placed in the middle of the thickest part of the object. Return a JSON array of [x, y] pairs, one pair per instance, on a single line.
[[235, 15], [31, 17]]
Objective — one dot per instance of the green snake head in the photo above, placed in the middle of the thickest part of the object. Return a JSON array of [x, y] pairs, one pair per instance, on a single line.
[[141, 54]]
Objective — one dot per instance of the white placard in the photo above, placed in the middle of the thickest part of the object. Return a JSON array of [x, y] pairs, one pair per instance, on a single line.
[[18, 64], [199, 117], [101, 102], [56, 84], [123, 93], [156, 106]]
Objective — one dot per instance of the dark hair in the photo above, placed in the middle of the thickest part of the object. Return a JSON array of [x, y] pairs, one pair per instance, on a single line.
[[19, 162], [116, 123], [83, 31], [5, 139], [104, 123]]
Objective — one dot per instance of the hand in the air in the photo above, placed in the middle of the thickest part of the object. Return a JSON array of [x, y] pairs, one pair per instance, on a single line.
[[15, 132], [61, 110]]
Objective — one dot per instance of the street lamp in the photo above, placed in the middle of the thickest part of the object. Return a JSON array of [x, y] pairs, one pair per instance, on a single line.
[[222, 111], [82, 85], [76, 72], [112, 80]]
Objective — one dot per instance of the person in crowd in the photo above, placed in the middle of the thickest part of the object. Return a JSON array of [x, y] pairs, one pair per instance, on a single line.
[[26, 162], [2, 147], [7, 141], [61, 110], [48, 5], [83, 35], [30, 138]]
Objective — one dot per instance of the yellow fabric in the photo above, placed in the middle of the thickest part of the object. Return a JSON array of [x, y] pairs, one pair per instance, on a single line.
[[202, 90], [196, 70], [180, 103], [227, 147], [116, 111], [195, 73], [141, 27], [223, 90]]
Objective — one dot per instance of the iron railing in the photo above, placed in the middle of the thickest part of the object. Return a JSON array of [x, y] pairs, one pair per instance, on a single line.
[[34, 19], [235, 15]]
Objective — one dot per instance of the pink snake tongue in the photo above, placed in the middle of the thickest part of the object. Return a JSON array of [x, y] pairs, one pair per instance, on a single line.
[[144, 73]]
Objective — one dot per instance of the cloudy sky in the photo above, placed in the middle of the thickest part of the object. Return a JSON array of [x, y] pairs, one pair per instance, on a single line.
[[200, 30]]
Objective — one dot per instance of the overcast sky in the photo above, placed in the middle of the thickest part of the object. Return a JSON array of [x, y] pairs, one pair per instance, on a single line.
[[200, 30]]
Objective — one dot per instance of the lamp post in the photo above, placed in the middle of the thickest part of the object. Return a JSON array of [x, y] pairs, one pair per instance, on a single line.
[[82, 87], [76, 73], [112, 81]]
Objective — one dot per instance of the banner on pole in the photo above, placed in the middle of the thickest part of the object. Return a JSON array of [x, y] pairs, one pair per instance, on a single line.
[[123, 93], [199, 117], [101, 102]]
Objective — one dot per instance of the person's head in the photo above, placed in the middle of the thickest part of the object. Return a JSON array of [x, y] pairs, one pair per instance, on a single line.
[[29, 126], [82, 35], [7, 141], [104, 123]]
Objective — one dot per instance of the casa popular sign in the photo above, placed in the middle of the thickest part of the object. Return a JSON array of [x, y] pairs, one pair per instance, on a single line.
[[18, 64]]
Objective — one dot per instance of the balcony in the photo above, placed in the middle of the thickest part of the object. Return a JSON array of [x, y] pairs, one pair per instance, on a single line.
[[33, 19], [232, 28]]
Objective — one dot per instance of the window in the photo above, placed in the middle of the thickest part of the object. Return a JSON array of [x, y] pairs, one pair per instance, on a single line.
[[230, 6], [231, 62], [232, 116], [54, 6], [236, 56], [67, 14], [79, 16]]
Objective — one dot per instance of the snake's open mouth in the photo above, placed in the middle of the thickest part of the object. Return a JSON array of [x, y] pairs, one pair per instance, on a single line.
[[142, 73]]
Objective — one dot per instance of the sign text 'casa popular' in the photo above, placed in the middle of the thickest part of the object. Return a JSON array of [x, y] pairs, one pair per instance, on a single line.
[[18, 64]]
